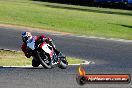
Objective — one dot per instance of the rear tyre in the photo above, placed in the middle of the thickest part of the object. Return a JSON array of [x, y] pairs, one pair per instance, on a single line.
[[63, 64]]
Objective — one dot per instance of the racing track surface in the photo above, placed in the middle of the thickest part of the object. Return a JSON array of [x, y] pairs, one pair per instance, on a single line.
[[109, 57]]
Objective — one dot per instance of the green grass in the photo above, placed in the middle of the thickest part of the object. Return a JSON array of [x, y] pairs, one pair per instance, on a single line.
[[68, 18], [8, 58], [72, 60], [12, 58]]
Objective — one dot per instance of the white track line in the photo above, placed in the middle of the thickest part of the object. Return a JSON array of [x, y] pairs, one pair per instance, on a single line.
[[103, 38], [29, 66], [9, 50]]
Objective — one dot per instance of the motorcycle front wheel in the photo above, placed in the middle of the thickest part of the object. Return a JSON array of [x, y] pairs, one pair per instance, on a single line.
[[44, 59]]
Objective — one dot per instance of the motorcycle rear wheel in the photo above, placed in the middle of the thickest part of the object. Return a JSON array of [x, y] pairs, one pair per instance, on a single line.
[[63, 64]]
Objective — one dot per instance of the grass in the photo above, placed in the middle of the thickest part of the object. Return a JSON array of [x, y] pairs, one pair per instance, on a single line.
[[79, 20], [72, 60], [8, 58], [12, 58]]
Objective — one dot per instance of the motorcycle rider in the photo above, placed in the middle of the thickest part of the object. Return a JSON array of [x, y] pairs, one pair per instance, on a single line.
[[27, 37]]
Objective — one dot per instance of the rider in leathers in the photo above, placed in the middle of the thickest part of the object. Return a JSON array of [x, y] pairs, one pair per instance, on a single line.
[[26, 37]]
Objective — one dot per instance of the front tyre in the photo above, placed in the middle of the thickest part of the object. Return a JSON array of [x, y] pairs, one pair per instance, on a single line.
[[45, 61]]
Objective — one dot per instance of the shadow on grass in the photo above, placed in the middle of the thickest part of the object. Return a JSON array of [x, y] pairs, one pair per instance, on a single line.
[[85, 9], [128, 26], [123, 25]]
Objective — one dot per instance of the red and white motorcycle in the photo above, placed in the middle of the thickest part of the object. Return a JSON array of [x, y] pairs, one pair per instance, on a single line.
[[44, 54]]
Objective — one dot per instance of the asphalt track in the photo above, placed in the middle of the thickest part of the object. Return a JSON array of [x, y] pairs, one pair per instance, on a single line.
[[109, 57]]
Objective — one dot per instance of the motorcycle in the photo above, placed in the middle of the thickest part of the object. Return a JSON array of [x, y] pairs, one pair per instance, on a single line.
[[45, 55]]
